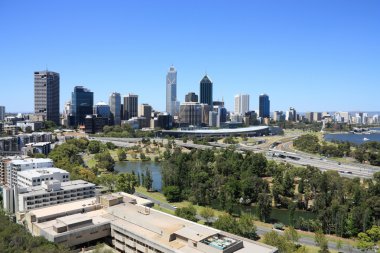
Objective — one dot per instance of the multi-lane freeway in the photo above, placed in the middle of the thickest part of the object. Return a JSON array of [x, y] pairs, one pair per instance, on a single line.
[[280, 154]]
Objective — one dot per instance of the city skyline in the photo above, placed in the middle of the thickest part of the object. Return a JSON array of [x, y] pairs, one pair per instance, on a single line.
[[286, 51]]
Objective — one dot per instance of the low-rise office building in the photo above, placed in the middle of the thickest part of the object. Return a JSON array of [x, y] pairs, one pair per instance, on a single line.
[[132, 227]]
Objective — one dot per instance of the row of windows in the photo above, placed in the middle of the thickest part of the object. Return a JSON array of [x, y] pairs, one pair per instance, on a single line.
[[136, 241]]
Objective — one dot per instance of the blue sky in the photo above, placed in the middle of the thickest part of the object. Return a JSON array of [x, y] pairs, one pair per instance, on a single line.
[[313, 55]]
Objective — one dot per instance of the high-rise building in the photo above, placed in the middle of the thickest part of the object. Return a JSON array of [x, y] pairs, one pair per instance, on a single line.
[[67, 117], [213, 119], [264, 106], [46, 95], [82, 102], [190, 113], [102, 110], [206, 91], [241, 104], [131, 102], [171, 91], [115, 107], [2, 112], [291, 115], [145, 111], [278, 116], [191, 97]]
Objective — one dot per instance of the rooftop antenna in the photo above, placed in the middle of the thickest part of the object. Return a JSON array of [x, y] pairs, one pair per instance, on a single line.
[[47, 68]]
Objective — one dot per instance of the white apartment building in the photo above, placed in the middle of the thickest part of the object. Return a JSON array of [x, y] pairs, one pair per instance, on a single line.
[[16, 166], [241, 104], [52, 193], [30, 178]]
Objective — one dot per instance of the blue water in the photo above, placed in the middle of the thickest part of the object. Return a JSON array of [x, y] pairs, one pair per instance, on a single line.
[[354, 138], [139, 167]]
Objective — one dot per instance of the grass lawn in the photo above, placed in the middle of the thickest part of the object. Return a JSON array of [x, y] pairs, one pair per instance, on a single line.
[[160, 197], [89, 160]]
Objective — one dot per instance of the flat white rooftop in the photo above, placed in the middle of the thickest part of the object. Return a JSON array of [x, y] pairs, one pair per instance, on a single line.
[[40, 172], [32, 160], [37, 144]]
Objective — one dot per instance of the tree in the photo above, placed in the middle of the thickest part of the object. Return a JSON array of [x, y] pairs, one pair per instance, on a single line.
[[110, 145], [207, 213], [264, 206], [126, 182], [94, 147], [365, 242], [188, 213], [143, 157], [321, 241], [87, 174], [171, 192], [226, 223], [121, 155], [274, 239], [108, 180], [291, 234], [246, 228], [105, 161], [148, 179]]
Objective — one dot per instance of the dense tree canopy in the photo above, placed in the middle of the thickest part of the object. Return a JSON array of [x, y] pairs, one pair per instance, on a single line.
[[229, 180], [14, 238]]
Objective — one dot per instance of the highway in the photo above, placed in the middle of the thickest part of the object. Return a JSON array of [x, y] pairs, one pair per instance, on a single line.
[[297, 158]]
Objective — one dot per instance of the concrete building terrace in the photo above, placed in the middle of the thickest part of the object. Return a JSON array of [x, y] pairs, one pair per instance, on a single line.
[[132, 227]]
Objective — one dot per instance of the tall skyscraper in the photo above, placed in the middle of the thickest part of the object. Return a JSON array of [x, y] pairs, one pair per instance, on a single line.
[[191, 97], [115, 107], [206, 91], [82, 102], [2, 112], [131, 102], [46, 95], [264, 106], [171, 91], [241, 104]]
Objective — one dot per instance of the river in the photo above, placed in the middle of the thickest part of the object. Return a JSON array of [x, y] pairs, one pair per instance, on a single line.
[[139, 167], [354, 138]]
